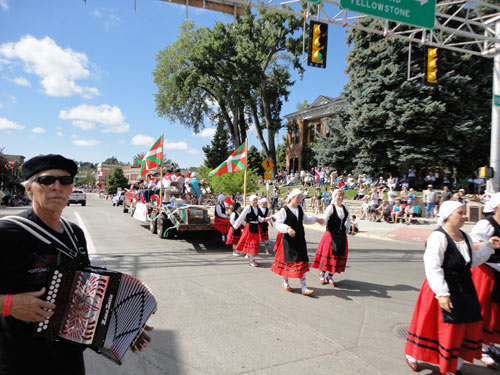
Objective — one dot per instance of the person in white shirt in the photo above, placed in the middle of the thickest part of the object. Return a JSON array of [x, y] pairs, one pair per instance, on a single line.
[[486, 278], [332, 251], [291, 258], [446, 326], [264, 226], [409, 212], [354, 226], [221, 221], [234, 234], [430, 199]]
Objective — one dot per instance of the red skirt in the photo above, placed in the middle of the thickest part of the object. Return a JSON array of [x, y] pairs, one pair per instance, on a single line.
[[279, 241], [249, 242], [222, 225], [484, 280], [231, 238], [282, 268], [324, 260], [430, 340], [264, 236]]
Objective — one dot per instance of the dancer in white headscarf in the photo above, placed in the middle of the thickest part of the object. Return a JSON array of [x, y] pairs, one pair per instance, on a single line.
[[446, 326], [250, 239], [221, 221], [291, 258], [264, 226], [486, 278], [332, 252]]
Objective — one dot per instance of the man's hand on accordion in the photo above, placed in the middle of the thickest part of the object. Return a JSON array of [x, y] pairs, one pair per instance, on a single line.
[[28, 306], [142, 341]]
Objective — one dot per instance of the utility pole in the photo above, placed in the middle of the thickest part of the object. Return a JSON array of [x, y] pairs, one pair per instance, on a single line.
[[493, 184]]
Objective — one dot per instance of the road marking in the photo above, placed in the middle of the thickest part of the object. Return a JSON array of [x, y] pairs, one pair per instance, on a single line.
[[90, 244]]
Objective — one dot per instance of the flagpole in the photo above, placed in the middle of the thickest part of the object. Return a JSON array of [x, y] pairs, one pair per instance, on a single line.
[[161, 173], [245, 178]]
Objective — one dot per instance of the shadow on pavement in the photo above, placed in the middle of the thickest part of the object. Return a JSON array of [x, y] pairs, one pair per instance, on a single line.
[[346, 289]]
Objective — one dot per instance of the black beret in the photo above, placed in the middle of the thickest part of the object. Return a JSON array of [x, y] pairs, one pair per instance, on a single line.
[[45, 162], [177, 170]]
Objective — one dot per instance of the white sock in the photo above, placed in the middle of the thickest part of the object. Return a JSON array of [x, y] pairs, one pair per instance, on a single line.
[[460, 363], [285, 282], [322, 274], [250, 256], [303, 283], [486, 348]]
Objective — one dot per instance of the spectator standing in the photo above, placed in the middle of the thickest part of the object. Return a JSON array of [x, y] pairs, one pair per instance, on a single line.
[[302, 176], [333, 178], [404, 181], [322, 177], [430, 199], [445, 195], [392, 195], [364, 207], [412, 177]]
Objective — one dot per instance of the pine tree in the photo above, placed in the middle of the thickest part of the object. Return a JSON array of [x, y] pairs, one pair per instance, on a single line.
[[219, 149]]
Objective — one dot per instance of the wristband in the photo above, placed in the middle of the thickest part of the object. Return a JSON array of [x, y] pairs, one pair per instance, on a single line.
[[7, 304]]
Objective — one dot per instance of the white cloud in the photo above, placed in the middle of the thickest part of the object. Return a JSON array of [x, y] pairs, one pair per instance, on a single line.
[[38, 130], [58, 68], [73, 136], [84, 125], [85, 143], [108, 16], [110, 118], [142, 140], [4, 5], [192, 151], [206, 133], [97, 14], [252, 128], [7, 124], [60, 134], [175, 145], [21, 81]]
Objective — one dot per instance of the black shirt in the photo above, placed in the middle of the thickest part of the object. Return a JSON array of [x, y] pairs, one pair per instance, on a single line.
[[25, 265]]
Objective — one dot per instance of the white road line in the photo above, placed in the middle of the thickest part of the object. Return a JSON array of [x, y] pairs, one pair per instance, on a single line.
[[90, 244]]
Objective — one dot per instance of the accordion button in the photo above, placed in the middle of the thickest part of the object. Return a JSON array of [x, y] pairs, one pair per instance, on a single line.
[[52, 282], [50, 292], [39, 330], [45, 326], [52, 300], [56, 272], [57, 285], [56, 290]]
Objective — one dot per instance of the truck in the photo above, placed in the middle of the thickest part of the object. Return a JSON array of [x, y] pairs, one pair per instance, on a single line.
[[171, 217]]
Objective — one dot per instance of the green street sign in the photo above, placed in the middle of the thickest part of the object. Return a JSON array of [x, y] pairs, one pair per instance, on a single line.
[[497, 100], [420, 13]]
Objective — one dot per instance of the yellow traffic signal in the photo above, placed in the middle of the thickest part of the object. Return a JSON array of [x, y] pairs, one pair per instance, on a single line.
[[318, 38], [431, 70]]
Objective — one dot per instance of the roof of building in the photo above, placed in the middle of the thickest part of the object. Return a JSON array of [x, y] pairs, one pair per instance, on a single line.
[[321, 107]]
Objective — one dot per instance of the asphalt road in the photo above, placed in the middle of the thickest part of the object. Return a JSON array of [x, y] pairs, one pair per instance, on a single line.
[[217, 315]]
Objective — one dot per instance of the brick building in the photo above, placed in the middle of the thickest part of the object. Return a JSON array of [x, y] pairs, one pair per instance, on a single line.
[[305, 126]]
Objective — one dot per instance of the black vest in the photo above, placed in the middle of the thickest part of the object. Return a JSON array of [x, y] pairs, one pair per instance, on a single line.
[[236, 231], [222, 209], [252, 219], [295, 248], [337, 230], [495, 258], [463, 296], [264, 226]]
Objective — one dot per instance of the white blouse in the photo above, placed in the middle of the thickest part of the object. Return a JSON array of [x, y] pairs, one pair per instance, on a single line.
[[281, 217], [218, 209], [434, 257], [340, 212], [232, 220], [244, 214], [481, 232]]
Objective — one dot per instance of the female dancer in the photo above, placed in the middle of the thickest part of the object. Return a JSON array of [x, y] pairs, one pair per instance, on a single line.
[[234, 232], [221, 222], [250, 239], [264, 226], [486, 278], [291, 258], [331, 255], [446, 325]]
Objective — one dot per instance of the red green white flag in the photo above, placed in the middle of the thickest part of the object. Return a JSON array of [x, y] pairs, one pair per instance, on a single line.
[[152, 158], [236, 162]]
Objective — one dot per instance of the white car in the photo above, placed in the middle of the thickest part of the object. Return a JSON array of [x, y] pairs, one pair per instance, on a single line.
[[78, 196], [118, 198]]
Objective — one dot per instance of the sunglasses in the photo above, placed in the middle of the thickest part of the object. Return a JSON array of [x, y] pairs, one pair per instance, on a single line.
[[49, 180]]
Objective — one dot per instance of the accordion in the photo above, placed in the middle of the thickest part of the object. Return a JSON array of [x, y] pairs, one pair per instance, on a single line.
[[98, 308]]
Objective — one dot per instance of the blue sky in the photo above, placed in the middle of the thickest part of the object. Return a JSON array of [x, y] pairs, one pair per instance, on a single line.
[[76, 78]]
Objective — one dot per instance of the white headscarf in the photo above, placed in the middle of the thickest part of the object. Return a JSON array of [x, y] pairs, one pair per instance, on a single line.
[[493, 203], [446, 209], [294, 193], [335, 192], [263, 200], [221, 198], [252, 197]]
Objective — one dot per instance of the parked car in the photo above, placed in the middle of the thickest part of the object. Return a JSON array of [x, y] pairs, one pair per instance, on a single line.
[[78, 197], [118, 198]]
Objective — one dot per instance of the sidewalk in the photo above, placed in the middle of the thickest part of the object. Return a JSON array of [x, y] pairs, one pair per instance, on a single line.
[[398, 232]]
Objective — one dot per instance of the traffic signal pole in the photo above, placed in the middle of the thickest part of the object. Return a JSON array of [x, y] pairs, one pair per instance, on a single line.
[[493, 184]]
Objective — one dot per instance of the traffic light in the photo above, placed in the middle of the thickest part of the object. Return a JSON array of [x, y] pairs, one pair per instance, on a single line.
[[318, 39], [431, 65]]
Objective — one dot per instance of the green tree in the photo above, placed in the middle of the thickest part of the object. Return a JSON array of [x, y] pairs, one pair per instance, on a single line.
[[254, 161], [115, 180], [113, 161], [237, 73], [232, 183], [218, 151]]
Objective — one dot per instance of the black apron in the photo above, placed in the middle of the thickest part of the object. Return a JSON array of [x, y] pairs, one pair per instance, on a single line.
[[295, 248], [337, 230]]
